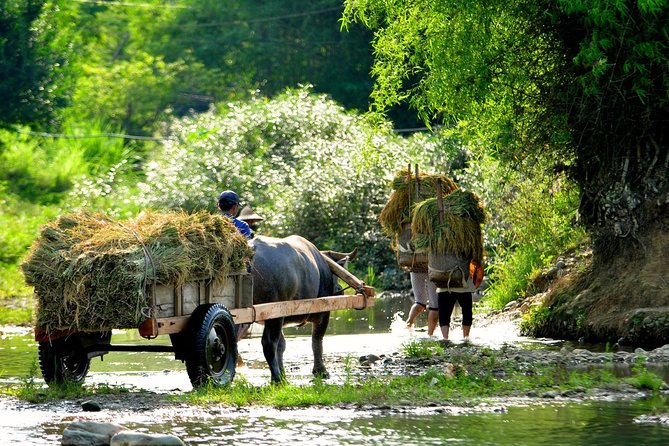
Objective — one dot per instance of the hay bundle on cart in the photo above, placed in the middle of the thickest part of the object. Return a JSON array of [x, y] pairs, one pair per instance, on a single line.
[[408, 189], [92, 273], [451, 234]]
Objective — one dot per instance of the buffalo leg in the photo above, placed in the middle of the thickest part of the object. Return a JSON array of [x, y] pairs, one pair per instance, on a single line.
[[319, 326], [270, 342], [280, 349]]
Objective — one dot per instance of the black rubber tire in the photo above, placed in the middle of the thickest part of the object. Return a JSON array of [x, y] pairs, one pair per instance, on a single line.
[[63, 360], [213, 357]]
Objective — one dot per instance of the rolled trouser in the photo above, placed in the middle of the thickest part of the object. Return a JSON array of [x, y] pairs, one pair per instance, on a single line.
[[447, 301]]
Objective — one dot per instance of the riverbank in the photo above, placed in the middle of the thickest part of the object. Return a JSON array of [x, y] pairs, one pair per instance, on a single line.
[[419, 377], [423, 373], [396, 372]]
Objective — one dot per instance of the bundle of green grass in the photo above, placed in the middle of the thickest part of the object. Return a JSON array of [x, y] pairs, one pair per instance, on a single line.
[[91, 273], [398, 210], [459, 232]]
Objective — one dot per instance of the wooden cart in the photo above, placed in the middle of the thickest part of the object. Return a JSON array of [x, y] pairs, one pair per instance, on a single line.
[[200, 317]]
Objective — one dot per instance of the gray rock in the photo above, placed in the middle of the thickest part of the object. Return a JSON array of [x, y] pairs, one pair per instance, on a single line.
[[130, 438], [89, 433], [581, 351], [663, 349], [510, 305], [552, 272], [91, 406]]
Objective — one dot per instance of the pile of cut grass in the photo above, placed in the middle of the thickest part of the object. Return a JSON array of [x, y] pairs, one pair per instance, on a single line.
[[460, 230], [91, 273], [397, 212]]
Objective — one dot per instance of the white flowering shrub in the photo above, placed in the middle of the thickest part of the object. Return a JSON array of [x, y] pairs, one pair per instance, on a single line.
[[301, 161]]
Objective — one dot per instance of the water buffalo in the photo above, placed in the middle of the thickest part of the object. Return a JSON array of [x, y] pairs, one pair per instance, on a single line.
[[288, 269]]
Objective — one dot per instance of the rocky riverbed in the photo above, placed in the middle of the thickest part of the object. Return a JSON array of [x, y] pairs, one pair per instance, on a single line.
[[495, 350], [452, 358]]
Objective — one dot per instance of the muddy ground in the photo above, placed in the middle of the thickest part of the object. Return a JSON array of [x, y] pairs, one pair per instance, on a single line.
[[608, 297]]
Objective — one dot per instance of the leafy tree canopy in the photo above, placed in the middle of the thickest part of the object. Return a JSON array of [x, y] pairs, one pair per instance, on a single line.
[[33, 62], [582, 83]]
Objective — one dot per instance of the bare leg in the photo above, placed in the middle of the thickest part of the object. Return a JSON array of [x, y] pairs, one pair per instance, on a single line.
[[416, 309], [432, 321], [444, 331], [465, 331]]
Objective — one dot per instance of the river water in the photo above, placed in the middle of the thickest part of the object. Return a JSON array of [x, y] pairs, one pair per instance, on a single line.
[[351, 334]]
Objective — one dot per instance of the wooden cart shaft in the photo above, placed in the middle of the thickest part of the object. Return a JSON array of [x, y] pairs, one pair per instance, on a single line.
[[263, 312], [363, 298]]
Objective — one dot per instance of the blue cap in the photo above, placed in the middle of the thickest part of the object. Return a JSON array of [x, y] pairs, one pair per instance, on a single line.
[[228, 199]]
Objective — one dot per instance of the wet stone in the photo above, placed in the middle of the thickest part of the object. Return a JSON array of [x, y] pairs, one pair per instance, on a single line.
[[581, 351], [130, 438], [88, 433], [91, 406]]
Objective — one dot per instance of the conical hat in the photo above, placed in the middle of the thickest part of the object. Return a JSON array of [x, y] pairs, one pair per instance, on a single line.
[[248, 215]]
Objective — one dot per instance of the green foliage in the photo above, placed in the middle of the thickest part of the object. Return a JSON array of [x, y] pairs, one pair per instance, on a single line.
[[303, 162], [579, 84], [533, 320], [36, 393], [370, 278], [133, 65], [136, 94], [36, 172], [33, 62], [511, 276], [43, 169], [532, 219], [279, 43], [483, 64], [37, 175], [464, 381], [422, 349], [642, 378], [20, 221]]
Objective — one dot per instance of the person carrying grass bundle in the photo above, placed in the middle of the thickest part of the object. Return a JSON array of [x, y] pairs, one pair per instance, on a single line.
[[425, 294], [228, 204], [409, 188], [449, 229]]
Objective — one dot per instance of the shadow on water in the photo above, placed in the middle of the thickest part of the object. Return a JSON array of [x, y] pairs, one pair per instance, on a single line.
[[376, 330]]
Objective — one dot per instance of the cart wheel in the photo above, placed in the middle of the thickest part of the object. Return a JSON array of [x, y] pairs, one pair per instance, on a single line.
[[63, 360], [213, 357]]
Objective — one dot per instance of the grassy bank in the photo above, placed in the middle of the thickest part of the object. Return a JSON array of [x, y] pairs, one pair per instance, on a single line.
[[453, 376]]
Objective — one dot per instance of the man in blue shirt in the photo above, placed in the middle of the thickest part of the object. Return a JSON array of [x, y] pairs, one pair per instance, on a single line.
[[228, 203]]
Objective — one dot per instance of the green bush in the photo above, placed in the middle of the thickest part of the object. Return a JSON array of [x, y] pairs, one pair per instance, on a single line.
[[37, 176], [304, 163], [43, 170], [20, 221], [532, 220]]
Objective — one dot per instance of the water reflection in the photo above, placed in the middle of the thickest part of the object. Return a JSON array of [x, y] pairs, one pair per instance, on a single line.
[[611, 423]]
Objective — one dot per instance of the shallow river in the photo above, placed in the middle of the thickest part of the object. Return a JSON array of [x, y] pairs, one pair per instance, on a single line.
[[351, 334]]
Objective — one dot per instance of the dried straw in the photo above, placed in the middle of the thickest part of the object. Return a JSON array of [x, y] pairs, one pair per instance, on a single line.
[[397, 211], [459, 232], [91, 273]]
